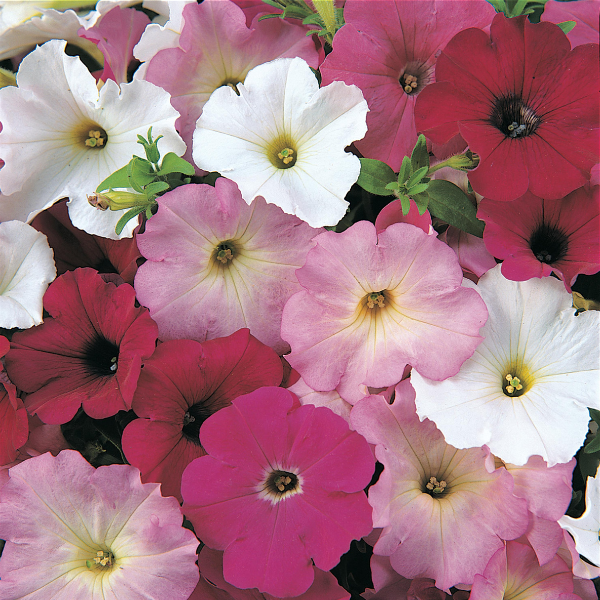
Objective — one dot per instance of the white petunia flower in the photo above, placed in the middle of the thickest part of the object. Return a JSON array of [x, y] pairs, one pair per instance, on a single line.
[[586, 529], [279, 136], [61, 136], [26, 269], [526, 389]]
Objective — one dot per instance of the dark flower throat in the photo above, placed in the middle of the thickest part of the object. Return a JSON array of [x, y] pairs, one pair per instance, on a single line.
[[513, 117]]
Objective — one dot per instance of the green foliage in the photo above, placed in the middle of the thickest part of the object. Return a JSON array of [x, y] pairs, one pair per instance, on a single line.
[[514, 8], [567, 26], [374, 177]]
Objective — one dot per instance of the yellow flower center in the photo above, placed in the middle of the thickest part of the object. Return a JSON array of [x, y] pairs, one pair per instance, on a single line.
[[97, 138], [516, 380], [104, 559], [282, 152], [375, 300], [436, 487], [409, 83], [90, 135], [224, 252]]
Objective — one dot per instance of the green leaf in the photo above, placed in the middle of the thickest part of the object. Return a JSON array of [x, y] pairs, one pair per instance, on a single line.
[[130, 214], [140, 172], [405, 171], [422, 201], [595, 415], [405, 202], [567, 26], [119, 179], [417, 189], [374, 176], [593, 446], [155, 188], [416, 177], [171, 163], [449, 203], [420, 157], [392, 186]]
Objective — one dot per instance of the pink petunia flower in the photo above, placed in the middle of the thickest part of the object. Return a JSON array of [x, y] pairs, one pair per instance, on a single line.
[[388, 49], [373, 303], [514, 572], [517, 97], [290, 490], [74, 532], [584, 13], [216, 265], [181, 385], [443, 513], [536, 237], [216, 49], [88, 354]]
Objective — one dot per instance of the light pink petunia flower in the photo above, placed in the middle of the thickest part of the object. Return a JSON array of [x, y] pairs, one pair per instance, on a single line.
[[444, 515], [291, 482], [216, 265], [77, 533], [386, 47], [373, 303]]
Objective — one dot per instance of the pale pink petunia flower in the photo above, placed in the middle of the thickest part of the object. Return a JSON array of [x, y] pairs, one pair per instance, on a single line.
[[373, 303], [77, 533], [444, 515], [216, 265]]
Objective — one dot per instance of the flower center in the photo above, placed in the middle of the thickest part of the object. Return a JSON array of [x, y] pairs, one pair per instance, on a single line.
[[193, 419], [96, 138], [282, 483], [513, 386], [435, 487], [224, 252], [375, 300], [101, 357], [103, 560], [548, 244], [409, 83], [282, 152], [513, 117], [287, 156]]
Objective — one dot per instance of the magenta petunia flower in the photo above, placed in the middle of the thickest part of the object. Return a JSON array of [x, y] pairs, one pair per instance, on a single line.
[[444, 515], [216, 49], [290, 490], [88, 354], [519, 97], [373, 303], [583, 12], [216, 265], [514, 572], [536, 237], [181, 385], [77, 533], [388, 49]]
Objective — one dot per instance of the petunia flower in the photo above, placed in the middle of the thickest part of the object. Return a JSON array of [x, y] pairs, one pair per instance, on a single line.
[[88, 354], [289, 150], [290, 490], [373, 303], [583, 12], [536, 237], [516, 96], [216, 265], [61, 136], [216, 49], [443, 514], [514, 572], [586, 528], [26, 269], [526, 389], [181, 385], [389, 49], [75, 532]]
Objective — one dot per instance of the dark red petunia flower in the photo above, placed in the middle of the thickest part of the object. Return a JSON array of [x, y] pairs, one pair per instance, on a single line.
[[180, 387], [88, 354], [536, 237], [525, 103]]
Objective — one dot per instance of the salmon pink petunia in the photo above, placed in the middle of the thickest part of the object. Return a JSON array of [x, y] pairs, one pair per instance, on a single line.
[[74, 532], [289, 489], [536, 237], [388, 49], [524, 101], [373, 303], [181, 385], [88, 354], [444, 515]]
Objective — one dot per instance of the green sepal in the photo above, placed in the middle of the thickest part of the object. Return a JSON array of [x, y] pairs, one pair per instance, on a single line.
[[416, 177], [405, 203], [130, 214], [155, 188], [375, 176], [405, 171], [567, 26], [119, 179], [420, 157], [171, 163], [593, 445], [449, 203]]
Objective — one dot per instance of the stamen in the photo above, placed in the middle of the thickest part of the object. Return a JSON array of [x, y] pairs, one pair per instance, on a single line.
[[187, 419], [376, 299], [286, 156], [102, 559], [224, 255], [409, 83], [113, 367], [96, 138], [514, 384], [435, 486]]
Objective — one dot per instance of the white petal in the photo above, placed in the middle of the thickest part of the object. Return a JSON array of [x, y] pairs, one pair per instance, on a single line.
[[26, 269]]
